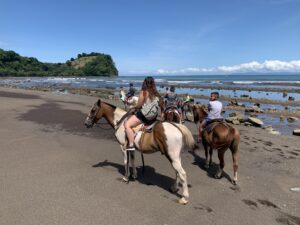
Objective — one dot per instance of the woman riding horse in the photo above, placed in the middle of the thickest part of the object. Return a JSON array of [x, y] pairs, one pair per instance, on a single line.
[[148, 94]]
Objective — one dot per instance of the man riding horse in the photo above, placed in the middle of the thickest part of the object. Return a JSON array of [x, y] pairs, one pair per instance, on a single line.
[[216, 134], [214, 112]]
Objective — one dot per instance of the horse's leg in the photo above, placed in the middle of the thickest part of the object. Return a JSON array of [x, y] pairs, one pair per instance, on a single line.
[[234, 150], [134, 172], [206, 154], [174, 187], [210, 155], [125, 178], [182, 176], [221, 153], [205, 145]]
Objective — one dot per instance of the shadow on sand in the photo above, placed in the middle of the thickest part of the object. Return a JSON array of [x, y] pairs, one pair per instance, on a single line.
[[52, 116], [150, 177], [212, 170]]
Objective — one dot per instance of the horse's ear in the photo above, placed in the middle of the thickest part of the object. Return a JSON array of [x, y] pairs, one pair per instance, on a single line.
[[98, 102]]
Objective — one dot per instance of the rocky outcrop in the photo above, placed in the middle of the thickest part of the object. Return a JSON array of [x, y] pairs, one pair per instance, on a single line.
[[255, 121]]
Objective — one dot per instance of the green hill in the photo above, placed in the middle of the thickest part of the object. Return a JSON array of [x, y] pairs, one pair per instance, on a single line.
[[93, 64]]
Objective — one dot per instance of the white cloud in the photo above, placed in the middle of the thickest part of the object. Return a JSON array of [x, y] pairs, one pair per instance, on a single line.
[[254, 66]]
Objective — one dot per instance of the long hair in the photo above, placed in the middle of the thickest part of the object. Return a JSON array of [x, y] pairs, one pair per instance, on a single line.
[[150, 87]]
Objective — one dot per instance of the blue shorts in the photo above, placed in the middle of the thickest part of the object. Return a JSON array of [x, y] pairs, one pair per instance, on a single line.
[[207, 121]]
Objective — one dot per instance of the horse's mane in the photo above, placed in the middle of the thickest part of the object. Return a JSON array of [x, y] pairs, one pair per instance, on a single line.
[[113, 106], [197, 107]]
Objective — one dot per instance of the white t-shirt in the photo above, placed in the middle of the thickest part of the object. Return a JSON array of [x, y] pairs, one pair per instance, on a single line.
[[214, 110]]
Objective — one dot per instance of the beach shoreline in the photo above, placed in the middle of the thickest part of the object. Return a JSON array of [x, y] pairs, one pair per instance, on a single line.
[[56, 171]]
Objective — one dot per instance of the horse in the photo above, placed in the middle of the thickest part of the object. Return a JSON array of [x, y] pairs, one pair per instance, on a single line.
[[128, 102], [185, 106], [166, 137], [172, 115], [219, 136]]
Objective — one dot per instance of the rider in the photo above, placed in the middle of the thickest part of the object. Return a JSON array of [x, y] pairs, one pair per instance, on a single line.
[[214, 112], [171, 101], [147, 94], [166, 94], [131, 91]]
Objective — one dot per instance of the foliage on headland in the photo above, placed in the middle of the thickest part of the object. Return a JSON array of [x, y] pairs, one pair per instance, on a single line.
[[93, 64]]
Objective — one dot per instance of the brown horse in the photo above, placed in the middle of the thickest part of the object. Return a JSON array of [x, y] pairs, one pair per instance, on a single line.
[[219, 136], [168, 138], [172, 115]]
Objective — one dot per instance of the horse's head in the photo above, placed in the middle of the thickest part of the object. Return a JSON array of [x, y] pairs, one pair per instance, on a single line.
[[94, 115], [199, 113]]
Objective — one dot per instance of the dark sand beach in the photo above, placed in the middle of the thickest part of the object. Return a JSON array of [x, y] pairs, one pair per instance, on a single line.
[[55, 171]]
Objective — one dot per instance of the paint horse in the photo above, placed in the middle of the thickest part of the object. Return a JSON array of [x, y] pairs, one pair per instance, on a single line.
[[168, 138], [220, 136], [128, 102], [172, 115]]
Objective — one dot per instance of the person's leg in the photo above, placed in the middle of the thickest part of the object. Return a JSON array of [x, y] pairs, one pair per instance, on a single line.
[[133, 121]]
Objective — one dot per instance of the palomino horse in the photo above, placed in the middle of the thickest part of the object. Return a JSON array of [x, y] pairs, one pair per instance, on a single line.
[[220, 136], [128, 102], [168, 138], [172, 115]]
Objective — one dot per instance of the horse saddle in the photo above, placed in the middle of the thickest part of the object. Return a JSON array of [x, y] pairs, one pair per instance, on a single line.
[[213, 123], [149, 128]]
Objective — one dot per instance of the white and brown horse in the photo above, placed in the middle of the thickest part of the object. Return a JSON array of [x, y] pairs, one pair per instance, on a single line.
[[128, 102], [219, 136], [168, 138]]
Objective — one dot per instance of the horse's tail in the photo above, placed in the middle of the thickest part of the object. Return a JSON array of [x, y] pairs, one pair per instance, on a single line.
[[187, 136]]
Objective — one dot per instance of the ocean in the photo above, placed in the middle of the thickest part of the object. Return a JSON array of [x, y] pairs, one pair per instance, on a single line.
[[278, 88]]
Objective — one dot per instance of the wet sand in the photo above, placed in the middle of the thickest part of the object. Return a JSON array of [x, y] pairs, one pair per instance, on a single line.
[[55, 171]]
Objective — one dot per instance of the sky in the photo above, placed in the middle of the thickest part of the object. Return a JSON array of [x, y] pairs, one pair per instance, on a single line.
[[159, 37]]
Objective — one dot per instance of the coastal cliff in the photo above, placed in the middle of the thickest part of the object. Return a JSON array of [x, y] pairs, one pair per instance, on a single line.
[[93, 64]]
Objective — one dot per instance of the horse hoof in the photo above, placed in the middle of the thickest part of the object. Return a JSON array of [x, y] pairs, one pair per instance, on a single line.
[[218, 176], [183, 201], [125, 179], [234, 182]]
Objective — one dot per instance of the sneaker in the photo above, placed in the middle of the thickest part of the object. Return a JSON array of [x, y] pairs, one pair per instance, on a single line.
[[130, 148]]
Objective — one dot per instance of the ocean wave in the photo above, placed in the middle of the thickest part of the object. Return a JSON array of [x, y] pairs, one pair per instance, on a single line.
[[244, 82], [181, 81], [92, 80]]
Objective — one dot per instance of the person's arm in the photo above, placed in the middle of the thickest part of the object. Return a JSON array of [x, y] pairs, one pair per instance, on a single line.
[[141, 100]]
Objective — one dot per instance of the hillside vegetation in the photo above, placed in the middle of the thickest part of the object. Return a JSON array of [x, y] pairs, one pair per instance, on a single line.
[[93, 64]]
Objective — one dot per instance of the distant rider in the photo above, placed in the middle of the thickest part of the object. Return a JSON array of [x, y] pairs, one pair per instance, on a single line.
[[214, 112], [130, 92], [171, 100]]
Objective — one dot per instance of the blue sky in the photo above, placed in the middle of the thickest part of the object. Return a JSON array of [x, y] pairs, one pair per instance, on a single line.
[[159, 36]]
